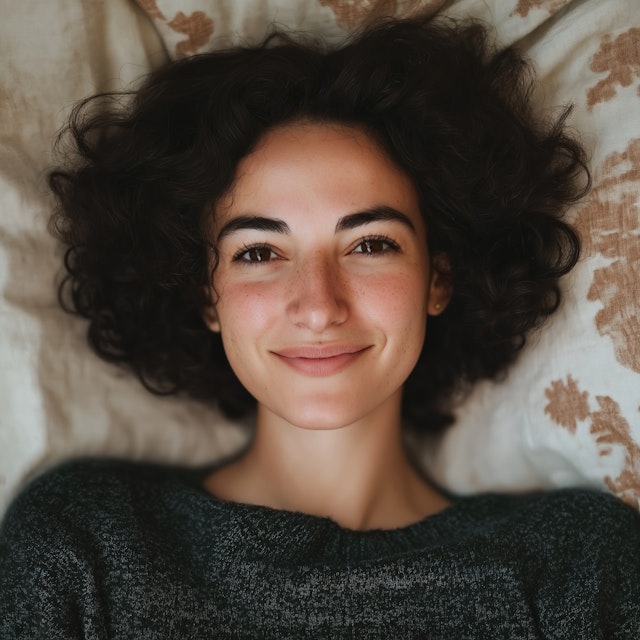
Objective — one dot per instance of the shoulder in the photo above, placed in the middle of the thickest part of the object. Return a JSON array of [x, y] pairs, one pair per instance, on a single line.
[[560, 507], [83, 500], [588, 510], [557, 524], [594, 523], [590, 535], [584, 548], [76, 487], [62, 522]]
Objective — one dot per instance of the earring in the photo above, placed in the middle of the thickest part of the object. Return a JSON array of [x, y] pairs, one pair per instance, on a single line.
[[438, 306]]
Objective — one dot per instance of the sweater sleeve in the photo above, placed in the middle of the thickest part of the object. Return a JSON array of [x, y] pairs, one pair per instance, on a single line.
[[622, 570], [592, 588], [46, 585]]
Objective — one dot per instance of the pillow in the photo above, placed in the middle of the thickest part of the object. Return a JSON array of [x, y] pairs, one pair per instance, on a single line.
[[196, 26], [58, 399], [568, 412]]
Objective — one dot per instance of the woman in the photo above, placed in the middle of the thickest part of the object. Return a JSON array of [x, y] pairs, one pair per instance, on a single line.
[[342, 240]]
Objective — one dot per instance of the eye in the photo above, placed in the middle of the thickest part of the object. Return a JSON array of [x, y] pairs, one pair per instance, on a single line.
[[374, 245], [255, 254]]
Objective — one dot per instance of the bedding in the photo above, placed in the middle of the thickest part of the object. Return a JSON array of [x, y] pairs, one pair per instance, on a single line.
[[568, 412]]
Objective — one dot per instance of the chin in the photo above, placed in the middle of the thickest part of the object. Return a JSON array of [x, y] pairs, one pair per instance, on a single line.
[[331, 416], [315, 426], [320, 422], [321, 419]]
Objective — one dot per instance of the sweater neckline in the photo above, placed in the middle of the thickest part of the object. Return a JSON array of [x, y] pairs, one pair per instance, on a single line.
[[197, 483], [196, 479], [267, 534]]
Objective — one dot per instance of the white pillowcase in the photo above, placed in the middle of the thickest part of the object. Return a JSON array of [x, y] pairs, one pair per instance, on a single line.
[[569, 411]]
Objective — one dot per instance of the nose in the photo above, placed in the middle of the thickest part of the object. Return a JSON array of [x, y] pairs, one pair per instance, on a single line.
[[317, 298]]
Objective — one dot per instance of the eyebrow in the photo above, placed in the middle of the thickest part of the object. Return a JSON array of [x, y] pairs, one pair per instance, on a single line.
[[350, 221], [258, 223], [375, 214]]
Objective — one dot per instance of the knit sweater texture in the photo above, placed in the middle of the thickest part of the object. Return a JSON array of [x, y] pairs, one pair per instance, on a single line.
[[104, 549]]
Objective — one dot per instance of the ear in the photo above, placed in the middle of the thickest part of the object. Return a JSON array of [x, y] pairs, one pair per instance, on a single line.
[[440, 285], [209, 313]]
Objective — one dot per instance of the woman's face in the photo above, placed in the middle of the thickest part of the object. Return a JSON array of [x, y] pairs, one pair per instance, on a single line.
[[323, 284]]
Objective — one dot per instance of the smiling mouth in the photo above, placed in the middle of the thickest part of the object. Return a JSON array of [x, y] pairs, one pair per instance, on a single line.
[[320, 360]]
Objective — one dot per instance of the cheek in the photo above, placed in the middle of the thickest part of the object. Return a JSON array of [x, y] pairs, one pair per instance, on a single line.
[[398, 301], [244, 309], [243, 316]]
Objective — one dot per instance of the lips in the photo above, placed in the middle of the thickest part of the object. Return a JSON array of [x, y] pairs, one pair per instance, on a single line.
[[320, 360]]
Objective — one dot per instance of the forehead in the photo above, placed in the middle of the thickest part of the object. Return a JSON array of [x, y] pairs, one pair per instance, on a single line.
[[333, 166], [325, 137]]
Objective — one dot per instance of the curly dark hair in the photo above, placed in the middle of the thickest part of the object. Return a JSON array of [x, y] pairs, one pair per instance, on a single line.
[[449, 108]]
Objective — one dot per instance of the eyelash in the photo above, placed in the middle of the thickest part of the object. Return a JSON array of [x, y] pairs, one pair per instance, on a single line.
[[237, 257], [392, 246]]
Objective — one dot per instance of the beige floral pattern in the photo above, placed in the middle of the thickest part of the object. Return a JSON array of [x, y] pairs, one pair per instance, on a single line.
[[351, 14], [567, 404], [619, 58], [525, 6], [198, 27], [151, 7], [610, 226]]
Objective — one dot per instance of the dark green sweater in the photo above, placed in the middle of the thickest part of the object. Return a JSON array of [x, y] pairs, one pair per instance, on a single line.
[[122, 550]]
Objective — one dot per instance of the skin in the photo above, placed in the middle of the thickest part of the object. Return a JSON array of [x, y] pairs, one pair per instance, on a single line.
[[321, 295]]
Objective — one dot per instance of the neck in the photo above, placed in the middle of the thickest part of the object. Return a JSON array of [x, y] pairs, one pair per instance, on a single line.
[[359, 475]]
